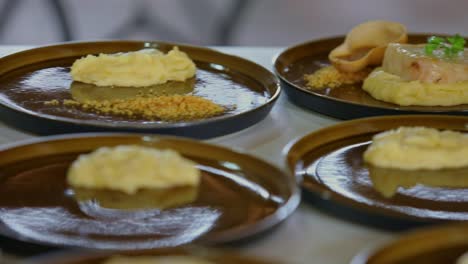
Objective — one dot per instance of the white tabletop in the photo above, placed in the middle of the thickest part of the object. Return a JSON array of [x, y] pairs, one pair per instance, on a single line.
[[308, 236]]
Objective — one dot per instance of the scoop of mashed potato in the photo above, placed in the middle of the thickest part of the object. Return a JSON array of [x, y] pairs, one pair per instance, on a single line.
[[128, 168], [393, 89], [463, 259], [157, 260], [412, 148], [134, 69]]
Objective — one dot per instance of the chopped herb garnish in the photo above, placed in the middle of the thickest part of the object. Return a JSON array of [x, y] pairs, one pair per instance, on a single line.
[[451, 46]]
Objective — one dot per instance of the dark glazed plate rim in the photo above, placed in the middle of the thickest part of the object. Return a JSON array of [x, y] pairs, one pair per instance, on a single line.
[[71, 256], [410, 239], [338, 103], [293, 152], [238, 234], [95, 126]]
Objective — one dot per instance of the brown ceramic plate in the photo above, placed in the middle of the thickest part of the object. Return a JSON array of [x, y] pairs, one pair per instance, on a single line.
[[30, 78], [211, 255], [347, 101], [239, 196], [438, 245], [331, 164]]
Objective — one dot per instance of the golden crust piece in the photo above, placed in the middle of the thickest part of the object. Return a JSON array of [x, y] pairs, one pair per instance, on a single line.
[[365, 45]]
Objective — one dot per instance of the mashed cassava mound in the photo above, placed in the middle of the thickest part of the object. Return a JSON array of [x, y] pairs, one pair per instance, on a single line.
[[138, 68], [413, 148], [128, 168], [393, 89]]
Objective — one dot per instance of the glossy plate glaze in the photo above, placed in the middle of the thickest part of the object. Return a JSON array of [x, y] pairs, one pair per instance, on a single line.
[[442, 244], [333, 171], [209, 255], [346, 101], [239, 196], [30, 78]]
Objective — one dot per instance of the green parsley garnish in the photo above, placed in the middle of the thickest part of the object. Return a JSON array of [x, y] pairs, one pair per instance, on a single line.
[[451, 46]]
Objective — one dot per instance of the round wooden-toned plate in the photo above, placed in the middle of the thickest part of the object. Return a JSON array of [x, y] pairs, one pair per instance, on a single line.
[[346, 101], [442, 244], [239, 196], [209, 255], [30, 78], [333, 171]]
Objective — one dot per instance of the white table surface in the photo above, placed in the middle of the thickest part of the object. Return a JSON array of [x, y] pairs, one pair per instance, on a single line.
[[308, 236]]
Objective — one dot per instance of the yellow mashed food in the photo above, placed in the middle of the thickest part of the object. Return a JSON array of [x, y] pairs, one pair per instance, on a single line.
[[412, 148], [136, 69], [391, 88], [128, 168], [157, 260], [463, 259]]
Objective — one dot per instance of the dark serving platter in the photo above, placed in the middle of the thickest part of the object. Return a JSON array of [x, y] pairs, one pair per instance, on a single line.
[[239, 197], [346, 101], [30, 78], [336, 178], [435, 245]]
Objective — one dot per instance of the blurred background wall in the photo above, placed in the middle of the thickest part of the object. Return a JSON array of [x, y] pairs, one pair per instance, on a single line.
[[217, 22]]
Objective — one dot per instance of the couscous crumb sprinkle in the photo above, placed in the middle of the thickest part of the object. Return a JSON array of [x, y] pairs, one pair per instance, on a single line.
[[165, 108], [330, 77]]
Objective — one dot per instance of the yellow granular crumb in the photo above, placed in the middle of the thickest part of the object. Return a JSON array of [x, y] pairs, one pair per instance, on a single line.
[[166, 108], [330, 77], [52, 102]]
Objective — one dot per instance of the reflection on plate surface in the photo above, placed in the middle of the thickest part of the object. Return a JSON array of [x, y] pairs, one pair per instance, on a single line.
[[83, 92], [158, 198], [344, 171], [387, 181], [145, 229]]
